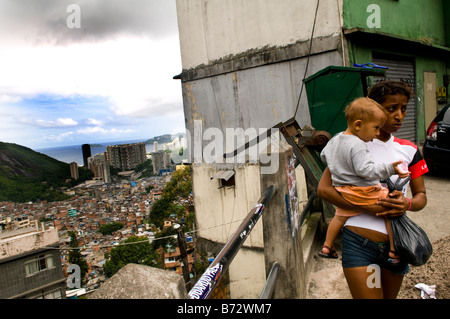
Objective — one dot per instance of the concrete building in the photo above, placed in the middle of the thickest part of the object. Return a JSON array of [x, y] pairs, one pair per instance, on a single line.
[[86, 149], [243, 68], [74, 170], [126, 156], [244, 61], [161, 161], [99, 165], [30, 267], [278, 237]]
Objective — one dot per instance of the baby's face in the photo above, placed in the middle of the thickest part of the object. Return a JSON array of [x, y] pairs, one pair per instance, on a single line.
[[370, 129]]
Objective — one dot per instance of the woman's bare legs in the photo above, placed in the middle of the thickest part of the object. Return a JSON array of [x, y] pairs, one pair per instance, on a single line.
[[373, 283]]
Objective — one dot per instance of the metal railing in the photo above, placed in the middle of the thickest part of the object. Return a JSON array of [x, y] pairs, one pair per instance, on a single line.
[[211, 277], [270, 282]]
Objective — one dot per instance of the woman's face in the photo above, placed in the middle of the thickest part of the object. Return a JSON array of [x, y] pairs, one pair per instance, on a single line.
[[395, 105]]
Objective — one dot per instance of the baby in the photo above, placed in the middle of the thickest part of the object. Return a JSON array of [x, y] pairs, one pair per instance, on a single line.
[[353, 172]]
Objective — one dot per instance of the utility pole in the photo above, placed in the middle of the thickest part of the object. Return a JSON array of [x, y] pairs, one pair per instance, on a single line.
[[184, 259]]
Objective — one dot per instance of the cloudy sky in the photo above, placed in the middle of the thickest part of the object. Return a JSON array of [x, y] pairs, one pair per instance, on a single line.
[[103, 75]]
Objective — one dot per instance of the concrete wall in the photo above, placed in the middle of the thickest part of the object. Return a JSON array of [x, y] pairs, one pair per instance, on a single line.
[[244, 61], [212, 30], [14, 282], [26, 241], [252, 98], [219, 212]]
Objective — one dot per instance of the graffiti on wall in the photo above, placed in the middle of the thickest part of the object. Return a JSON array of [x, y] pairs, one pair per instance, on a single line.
[[291, 198]]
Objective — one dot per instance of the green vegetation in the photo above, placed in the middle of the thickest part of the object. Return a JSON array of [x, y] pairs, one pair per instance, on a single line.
[[176, 191], [26, 175], [141, 252], [166, 138], [110, 228], [146, 168]]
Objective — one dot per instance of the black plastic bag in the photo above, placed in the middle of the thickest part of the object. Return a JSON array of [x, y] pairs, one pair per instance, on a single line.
[[410, 241]]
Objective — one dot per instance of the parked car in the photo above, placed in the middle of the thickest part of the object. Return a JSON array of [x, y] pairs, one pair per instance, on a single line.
[[436, 149]]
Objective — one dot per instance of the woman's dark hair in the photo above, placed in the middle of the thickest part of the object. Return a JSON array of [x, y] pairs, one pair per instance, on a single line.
[[380, 90]]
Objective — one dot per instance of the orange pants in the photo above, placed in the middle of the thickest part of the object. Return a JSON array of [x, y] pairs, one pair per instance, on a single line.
[[360, 195]]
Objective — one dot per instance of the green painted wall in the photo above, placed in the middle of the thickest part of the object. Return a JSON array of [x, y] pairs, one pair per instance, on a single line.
[[421, 20], [446, 13], [417, 20], [359, 54]]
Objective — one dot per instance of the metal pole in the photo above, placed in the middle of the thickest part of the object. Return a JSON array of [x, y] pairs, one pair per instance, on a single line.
[[270, 283], [184, 257], [208, 281], [307, 207]]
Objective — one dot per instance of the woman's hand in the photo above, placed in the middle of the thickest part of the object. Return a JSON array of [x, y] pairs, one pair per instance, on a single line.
[[395, 202]]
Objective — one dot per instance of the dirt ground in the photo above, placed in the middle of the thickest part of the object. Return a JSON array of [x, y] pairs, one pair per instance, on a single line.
[[434, 272], [327, 280]]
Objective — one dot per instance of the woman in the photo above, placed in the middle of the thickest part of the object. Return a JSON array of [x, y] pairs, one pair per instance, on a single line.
[[364, 238]]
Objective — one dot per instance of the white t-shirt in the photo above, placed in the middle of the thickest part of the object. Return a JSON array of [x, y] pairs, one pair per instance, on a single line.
[[393, 150]]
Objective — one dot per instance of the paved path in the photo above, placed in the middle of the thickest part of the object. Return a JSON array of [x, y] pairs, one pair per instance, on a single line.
[[327, 279]]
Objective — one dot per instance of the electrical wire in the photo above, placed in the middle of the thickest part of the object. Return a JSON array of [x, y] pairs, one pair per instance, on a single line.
[[307, 60], [152, 240]]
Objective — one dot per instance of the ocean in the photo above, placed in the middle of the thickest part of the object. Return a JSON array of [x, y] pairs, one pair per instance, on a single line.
[[69, 154]]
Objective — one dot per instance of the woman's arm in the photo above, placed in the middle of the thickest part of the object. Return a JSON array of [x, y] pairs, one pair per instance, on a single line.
[[326, 191], [397, 204]]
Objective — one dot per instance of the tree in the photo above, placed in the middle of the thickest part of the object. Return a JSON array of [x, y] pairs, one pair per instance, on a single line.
[[180, 186], [75, 256], [110, 228], [161, 210], [177, 191], [136, 250]]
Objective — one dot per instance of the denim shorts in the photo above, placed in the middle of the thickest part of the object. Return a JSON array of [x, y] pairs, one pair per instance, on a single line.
[[358, 251]]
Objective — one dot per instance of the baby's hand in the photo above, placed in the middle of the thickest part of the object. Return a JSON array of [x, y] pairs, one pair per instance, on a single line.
[[401, 168]]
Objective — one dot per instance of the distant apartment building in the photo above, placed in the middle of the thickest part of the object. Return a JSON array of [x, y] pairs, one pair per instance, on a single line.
[[30, 266], [161, 162], [86, 149], [99, 165], [74, 170], [126, 156]]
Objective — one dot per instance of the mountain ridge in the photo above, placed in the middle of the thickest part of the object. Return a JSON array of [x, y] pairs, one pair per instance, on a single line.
[[27, 175]]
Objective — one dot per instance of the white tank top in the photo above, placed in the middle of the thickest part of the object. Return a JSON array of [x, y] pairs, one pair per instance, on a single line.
[[386, 152]]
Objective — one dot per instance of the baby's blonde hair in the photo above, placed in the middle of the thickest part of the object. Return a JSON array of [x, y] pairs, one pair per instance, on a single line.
[[362, 108]]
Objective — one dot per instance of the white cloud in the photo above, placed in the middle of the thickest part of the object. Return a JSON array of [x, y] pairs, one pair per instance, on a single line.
[[6, 99], [44, 22], [94, 122], [103, 131], [119, 66], [60, 137], [61, 122]]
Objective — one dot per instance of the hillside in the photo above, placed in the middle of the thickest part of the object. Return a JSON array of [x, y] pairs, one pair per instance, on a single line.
[[26, 175], [166, 138]]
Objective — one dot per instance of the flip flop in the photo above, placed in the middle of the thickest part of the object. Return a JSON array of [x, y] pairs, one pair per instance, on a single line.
[[332, 254]]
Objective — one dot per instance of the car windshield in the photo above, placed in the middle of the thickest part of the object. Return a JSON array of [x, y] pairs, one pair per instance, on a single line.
[[446, 119]]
